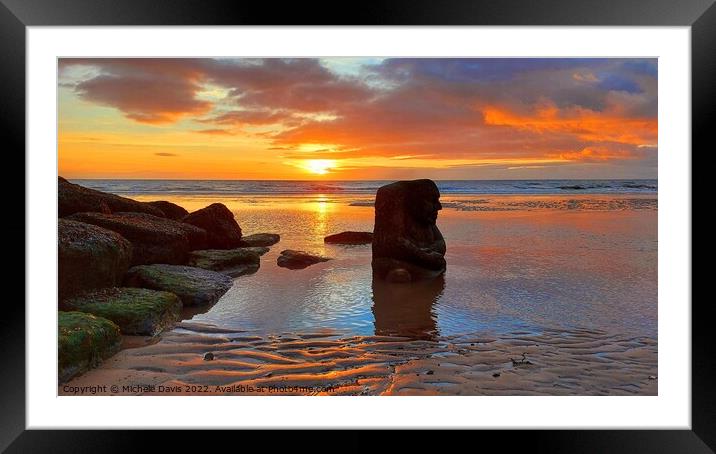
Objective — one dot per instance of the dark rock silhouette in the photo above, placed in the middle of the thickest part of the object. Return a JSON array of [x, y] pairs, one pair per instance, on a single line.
[[297, 260], [170, 210], [407, 244], [223, 232], [350, 238], [89, 257], [154, 239], [407, 310], [73, 198]]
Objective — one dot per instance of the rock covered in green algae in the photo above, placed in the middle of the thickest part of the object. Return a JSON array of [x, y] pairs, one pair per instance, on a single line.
[[135, 310], [84, 340], [170, 210], [194, 286], [89, 257], [260, 239], [155, 239], [73, 198], [233, 262]]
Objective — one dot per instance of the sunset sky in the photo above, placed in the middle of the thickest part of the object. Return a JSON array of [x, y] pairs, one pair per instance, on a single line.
[[357, 118]]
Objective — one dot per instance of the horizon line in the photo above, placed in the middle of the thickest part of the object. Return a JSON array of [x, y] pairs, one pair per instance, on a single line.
[[392, 179]]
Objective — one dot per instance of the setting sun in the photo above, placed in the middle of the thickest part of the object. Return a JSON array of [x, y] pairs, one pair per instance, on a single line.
[[319, 166]]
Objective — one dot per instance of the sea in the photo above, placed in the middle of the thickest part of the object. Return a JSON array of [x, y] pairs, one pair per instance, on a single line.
[[289, 187]]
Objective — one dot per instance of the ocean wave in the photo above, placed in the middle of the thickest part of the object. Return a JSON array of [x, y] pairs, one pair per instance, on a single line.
[[461, 187]]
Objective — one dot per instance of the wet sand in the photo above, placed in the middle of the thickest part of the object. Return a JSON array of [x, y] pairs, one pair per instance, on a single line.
[[553, 362]]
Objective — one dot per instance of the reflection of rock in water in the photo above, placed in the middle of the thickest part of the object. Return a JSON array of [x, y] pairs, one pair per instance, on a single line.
[[402, 309]]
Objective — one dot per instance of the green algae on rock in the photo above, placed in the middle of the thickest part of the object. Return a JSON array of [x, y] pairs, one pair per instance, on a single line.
[[135, 310], [233, 262], [84, 340], [260, 239], [89, 257], [194, 286]]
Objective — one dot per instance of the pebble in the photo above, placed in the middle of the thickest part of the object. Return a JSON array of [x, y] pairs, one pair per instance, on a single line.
[[209, 356], [496, 374]]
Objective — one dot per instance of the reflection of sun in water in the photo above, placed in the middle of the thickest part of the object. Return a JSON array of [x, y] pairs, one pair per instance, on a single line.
[[319, 166]]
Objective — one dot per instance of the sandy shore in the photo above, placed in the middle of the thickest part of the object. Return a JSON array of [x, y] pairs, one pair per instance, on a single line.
[[578, 362]]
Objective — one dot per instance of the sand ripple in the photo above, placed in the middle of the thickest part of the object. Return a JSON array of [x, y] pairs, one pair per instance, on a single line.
[[578, 362]]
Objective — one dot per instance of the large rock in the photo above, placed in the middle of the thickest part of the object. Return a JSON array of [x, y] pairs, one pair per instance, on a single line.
[[223, 232], [134, 310], [170, 210], [73, 198], [194, 286], [296, 260], [154, 239], [407, 244], [232, 262], [89, 257], [83, 341], [350, 238], [260, 239]]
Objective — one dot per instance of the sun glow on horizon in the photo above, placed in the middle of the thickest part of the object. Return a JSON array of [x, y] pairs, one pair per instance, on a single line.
[[319, 166]]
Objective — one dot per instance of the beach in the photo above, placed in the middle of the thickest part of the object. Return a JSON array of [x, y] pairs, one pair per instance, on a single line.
[[547, 292]]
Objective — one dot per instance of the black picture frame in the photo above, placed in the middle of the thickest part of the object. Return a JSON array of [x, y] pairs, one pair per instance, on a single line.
[[700, 15]]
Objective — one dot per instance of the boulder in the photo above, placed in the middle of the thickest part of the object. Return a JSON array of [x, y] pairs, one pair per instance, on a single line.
[[407, 244], [170, 210], [83, 341], [154, 239], [194, 286], [223, 232], [73, 198], [296, 260], [350, 238], [232, 262], [134, 310], [89, 257], [260, 239]]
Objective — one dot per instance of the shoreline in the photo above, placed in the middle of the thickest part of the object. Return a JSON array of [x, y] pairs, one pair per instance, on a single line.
[[555, 362]]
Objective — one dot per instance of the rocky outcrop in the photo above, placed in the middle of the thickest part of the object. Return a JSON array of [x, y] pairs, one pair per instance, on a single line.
[[296, 260], [407, 244], [232, 262], [350, 238], [194, 286], [170, 210], [154, 239], [73, 198], [260, 239], [223, 232], [89, 257], [83, 341], [134, 310]]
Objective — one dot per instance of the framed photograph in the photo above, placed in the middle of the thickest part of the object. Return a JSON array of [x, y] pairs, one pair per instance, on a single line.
[[471, 216]]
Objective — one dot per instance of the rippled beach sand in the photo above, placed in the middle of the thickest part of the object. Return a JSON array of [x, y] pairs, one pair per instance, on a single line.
[[555, 362], [568, 281]]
